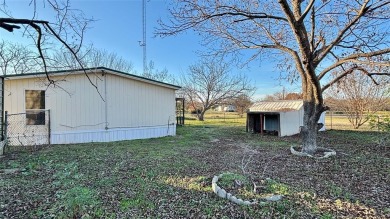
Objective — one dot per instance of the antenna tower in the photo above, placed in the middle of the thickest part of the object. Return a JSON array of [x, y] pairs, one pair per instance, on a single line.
[[144, 34]]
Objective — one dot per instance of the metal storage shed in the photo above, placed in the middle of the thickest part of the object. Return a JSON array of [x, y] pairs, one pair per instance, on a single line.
[[282, 118], [119, 106]]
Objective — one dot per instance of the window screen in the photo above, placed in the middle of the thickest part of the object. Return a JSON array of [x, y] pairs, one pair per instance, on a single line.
[[35, 105]]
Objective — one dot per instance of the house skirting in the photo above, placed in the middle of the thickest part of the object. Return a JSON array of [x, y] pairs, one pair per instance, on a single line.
[[112, 134]]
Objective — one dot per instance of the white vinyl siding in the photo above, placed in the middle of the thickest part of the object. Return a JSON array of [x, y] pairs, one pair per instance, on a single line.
[[119, 108], [137, 104], [76, 104]]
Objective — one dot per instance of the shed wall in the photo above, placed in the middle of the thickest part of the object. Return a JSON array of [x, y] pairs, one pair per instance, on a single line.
[[290, 122]]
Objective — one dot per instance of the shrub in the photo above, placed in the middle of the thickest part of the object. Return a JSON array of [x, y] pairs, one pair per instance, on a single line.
[[196, 111], [382, 124], [77, 202]]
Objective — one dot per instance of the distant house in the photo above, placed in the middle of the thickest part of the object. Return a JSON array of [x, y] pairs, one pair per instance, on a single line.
[[282, 118], [226, 108], [121, 107]]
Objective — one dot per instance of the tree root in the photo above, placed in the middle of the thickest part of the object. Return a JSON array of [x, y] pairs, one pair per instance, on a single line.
[[326, 153]]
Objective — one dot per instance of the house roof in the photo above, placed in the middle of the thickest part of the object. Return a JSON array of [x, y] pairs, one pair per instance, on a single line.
[[93, 70], [276, 106]]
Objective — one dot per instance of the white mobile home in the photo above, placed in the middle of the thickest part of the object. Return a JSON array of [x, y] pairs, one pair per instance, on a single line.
[[282, 118], [95, 105], [226, 108]]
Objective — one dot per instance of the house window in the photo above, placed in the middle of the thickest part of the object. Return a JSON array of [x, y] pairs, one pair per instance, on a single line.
[[35, 105]]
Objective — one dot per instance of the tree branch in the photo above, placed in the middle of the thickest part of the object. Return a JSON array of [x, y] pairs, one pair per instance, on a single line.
[[5, 23], [309, 6], [351, 70], [312, 32], [8, 27], [196, 20], [354, 58], [326, 49], [9, 24]]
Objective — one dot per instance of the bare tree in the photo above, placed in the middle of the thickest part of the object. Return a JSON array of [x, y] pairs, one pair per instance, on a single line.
[[358, 96], [282, 96], [160, 75], [16, 59], [273, 97], [209, 83], [91, 58], [310, 39], [66, 31], [242, 103], [293, 96]]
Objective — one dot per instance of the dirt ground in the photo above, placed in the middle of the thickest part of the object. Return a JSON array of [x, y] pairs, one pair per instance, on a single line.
[[354, 183]]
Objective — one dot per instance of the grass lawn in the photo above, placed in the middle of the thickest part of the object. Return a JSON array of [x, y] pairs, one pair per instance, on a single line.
[[171, 177], [341, 122]]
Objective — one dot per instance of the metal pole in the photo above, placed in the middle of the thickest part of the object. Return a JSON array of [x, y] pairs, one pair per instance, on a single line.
[[5, 125], [144, 34], [331, 120], [48, 127], [2, 108], [247, 122], [105, 103], [261, 123], [183, 109], [378, 124]]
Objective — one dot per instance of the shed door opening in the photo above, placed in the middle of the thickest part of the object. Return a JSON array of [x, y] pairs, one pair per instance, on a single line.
[[264, 123]]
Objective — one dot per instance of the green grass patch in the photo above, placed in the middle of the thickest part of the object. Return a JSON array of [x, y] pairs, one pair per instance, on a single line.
[[277, 188], [199, 183], [243, 187], [77, 202]]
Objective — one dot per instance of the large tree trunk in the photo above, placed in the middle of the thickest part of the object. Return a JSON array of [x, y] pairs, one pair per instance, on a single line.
[[312, 113], [201, 115]]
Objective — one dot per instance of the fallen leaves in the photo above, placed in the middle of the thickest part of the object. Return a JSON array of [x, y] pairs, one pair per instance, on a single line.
[[171, 177]]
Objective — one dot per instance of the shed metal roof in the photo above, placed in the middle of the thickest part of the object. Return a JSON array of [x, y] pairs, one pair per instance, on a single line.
[[277, 106]]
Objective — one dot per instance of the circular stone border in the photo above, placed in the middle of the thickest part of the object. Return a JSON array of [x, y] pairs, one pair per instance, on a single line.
[[223, 194], [327, 153]]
